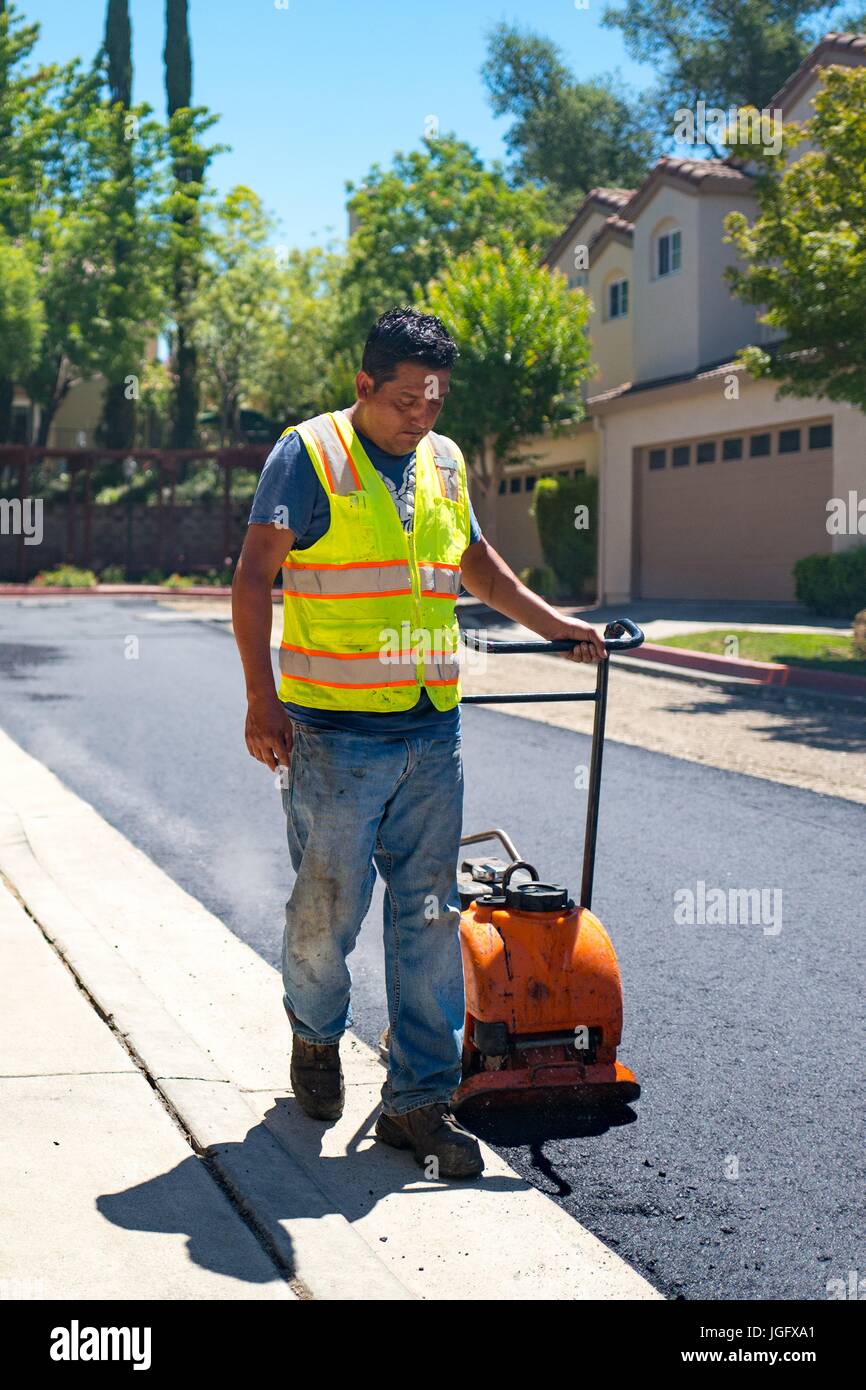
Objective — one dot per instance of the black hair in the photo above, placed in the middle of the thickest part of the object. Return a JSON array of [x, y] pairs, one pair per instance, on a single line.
[[404, 335]]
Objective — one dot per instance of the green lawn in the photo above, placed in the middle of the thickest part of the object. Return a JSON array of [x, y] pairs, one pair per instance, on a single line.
[[822, 651]]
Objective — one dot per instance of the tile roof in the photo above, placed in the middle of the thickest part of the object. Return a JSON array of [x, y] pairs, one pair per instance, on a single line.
[[605, 197], [851, 46]]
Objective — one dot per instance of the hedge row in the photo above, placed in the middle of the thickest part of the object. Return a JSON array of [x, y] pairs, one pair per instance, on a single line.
[[834, 584], [569, 551]]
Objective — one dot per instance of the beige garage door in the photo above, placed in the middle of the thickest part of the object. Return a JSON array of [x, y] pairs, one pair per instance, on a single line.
[[726, 517]]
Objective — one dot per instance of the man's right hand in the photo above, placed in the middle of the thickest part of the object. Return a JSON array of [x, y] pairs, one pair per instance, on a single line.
[[269, 733]]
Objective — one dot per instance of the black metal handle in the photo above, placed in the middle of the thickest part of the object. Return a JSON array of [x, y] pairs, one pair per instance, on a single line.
[[615, 641], [518, 864], [622, 635]]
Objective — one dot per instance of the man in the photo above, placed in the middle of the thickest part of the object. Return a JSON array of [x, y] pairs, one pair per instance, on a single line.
[[367, 511]]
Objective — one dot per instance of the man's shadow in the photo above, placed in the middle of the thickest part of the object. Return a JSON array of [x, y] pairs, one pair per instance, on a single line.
[[280, 1172]]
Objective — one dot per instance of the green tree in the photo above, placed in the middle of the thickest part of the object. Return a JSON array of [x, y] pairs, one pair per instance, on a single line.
[[29, 148], [524, 351], [235, 313], [431, 205], [118, 234], [189, 162], [118, 410], [118, 51], [300, 374], [805, 259], [64, 251], [571, 136], [737, 53], [22, 320]]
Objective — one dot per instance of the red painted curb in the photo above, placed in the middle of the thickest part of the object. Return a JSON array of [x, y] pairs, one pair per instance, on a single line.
[[761, 672], [120, 591]]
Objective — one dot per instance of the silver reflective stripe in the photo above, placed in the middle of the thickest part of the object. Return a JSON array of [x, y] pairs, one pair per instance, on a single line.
[[438, 580], [443, 446], [344, 581], [323, 430], [442, 669], [369, 669], [447, 463]]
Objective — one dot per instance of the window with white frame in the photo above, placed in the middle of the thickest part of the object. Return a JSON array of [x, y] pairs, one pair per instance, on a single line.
[[669, 252], [617, 299]]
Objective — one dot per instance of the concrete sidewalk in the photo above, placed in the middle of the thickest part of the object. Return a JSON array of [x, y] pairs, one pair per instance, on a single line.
[[137, 1033], [101, 1194]]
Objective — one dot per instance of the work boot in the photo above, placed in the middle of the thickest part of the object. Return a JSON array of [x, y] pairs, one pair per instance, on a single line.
[[432, 1132], [317, 1078]]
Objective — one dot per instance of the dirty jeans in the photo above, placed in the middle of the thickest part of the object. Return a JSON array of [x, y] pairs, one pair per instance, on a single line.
[[353, 801]]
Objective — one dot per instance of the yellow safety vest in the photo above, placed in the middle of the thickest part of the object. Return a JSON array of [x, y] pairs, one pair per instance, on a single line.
[[369, 609]]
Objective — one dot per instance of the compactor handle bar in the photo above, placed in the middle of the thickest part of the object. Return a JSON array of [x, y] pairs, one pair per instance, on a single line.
[[622, 635]]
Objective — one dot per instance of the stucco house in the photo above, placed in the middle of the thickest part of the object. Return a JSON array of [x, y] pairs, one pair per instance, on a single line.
[[709, 486]]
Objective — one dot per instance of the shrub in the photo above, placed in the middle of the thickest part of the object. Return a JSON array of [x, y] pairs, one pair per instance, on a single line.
[[541, 579], [834, 584], [65, 577], [113, 574], [569, 552], [220, 578]]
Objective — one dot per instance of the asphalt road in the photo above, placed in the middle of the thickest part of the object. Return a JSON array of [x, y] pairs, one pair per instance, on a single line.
[[738, 1173]]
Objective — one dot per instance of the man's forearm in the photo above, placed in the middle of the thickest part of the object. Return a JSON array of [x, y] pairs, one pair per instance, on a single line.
[[252, 621], [488, 577]]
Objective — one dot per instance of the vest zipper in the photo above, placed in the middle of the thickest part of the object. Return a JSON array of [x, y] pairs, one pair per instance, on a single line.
[[416, 596]]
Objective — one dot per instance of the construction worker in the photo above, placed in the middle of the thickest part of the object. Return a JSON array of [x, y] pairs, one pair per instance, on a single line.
[[367, 511]]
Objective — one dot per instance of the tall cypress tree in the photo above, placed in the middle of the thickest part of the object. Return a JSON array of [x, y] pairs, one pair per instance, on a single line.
[[177, 55], [118, 412], [7, 385], [188, 168], [118, 48]]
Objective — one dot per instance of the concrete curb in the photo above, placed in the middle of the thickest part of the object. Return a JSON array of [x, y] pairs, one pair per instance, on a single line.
[[758, 672], [203, 1014], [756, 677], [750, 691]]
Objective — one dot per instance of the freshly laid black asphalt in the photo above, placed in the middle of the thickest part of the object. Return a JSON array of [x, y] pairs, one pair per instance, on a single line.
[[738, 1174]]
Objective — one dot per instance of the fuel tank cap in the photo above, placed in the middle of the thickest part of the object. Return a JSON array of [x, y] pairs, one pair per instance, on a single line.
[[530, 896], [537, 897]]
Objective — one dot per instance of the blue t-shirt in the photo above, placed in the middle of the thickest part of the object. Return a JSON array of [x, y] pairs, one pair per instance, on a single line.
[[289, 491]]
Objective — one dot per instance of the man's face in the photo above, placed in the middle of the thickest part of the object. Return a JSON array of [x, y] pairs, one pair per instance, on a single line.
[[400, 413]]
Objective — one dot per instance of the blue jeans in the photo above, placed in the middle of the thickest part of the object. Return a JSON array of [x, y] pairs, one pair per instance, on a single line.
[[352, 801]]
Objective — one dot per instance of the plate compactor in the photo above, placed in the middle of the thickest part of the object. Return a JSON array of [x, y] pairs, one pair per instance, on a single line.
[[543, 988]]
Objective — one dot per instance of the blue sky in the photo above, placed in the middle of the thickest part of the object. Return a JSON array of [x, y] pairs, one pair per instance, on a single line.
[[312, 95]]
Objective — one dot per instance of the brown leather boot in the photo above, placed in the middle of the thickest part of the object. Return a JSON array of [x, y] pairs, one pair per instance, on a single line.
[[317, 1078], [439, 1143]]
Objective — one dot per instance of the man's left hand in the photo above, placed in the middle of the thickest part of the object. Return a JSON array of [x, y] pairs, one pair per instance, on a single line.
[[589, 645]]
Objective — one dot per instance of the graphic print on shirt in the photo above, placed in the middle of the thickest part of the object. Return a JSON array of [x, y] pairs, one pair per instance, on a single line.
[[404, 495]]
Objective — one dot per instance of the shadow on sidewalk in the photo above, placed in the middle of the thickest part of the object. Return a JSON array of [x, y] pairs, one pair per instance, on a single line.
[[349, 1184]]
